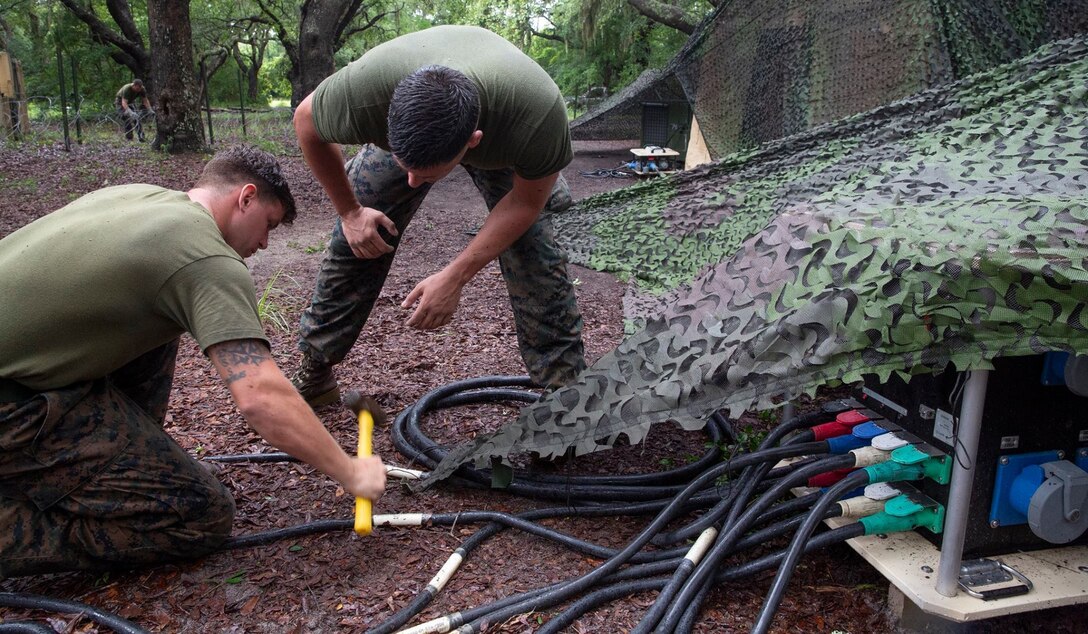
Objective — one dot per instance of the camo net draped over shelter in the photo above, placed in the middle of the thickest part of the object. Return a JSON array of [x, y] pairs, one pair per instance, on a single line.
[[760, 70], [620, 116], [947, 228]]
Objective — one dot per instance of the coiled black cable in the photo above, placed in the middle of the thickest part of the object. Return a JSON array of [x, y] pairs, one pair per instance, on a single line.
[[37, 602], [669, 494]]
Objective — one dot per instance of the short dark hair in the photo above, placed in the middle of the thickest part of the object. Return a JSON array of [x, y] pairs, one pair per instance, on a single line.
[[138, 82], [240, 164], [432, 115]]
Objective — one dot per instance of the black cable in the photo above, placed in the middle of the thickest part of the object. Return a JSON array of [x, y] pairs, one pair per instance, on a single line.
[[710, 562], [587, 580], [410, 441], [25, 627], [747, 483], [37, 602], [841, 534], [641, 573], [785, 570]]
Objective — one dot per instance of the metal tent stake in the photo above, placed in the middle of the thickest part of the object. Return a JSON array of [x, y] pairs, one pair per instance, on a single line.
[[965, 452]]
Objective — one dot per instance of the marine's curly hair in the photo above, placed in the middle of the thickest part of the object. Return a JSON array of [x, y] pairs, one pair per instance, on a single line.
[[241, 164], [432, 115]]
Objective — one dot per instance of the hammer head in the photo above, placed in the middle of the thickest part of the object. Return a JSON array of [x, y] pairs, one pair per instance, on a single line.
[[358, 403]]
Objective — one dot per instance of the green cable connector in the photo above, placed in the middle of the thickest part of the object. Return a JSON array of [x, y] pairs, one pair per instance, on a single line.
[[904, 514], [908, 463], [892, 471], [936, 465]]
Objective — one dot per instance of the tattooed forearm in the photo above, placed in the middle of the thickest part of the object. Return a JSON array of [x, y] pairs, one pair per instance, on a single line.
[[234, 356]]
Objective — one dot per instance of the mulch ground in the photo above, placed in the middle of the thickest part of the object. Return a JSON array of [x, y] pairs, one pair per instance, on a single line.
[[338, 581]]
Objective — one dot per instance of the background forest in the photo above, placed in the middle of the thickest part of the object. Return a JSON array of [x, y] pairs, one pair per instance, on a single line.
[[274, 52]]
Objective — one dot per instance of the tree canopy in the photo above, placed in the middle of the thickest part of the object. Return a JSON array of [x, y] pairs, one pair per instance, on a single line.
[[277, 51]]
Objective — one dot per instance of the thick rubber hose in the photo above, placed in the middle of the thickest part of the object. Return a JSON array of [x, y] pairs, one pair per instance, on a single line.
[[38, 602], [797, 545]]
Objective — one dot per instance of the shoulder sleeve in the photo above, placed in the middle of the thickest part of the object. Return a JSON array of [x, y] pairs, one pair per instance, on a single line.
[[549, 149], [214, 300], [344, 110]]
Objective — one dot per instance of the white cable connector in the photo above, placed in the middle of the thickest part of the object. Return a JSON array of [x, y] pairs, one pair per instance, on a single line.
[[402, 519], [868, 456], [403, 473], [443, 576], [861, 506], [889, 441], [434, 626], [701, 545]]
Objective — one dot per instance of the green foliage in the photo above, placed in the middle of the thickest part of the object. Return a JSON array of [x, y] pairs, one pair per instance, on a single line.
[[269, 307], [748, 440], [582, 43], [607, 43]]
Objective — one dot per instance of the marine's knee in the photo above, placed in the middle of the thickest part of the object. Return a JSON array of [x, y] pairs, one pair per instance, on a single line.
[[204, 524]]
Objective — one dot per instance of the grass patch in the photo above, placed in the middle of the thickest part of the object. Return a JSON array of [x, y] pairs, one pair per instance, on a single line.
[[270, 306]]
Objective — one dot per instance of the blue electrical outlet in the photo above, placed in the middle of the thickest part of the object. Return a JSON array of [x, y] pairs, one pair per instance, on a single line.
[[1002, 511], [1054, 368]]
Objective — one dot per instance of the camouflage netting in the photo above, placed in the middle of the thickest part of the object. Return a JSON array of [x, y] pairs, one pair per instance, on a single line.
[[947, 228], [761, 70], [620, 115]]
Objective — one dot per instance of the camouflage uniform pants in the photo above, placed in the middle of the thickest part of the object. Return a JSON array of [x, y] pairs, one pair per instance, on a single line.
[[89, 479], [549, 325]]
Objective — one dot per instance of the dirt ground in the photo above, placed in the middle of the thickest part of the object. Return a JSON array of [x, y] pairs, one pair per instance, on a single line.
[[337, 581]]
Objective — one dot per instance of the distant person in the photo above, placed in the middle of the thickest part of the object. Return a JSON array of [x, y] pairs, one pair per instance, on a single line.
[[421, 105], [133, 106], [96, 296]]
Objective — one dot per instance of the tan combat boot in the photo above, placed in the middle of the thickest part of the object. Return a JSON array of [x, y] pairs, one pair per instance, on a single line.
[[316, 383]]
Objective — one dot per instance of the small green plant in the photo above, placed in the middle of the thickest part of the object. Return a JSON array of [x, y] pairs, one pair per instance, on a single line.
[[748, 439], [269, 309], [311, 249], [28, 184], [767, 416], [236, 578]]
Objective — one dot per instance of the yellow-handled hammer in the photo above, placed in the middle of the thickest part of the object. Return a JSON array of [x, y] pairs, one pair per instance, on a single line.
[[368, 412]]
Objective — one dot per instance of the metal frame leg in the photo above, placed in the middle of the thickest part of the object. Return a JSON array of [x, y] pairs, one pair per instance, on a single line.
[[965, 453]]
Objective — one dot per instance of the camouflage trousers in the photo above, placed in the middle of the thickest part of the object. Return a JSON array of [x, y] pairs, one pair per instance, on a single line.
[[546, 316], [90, 481]]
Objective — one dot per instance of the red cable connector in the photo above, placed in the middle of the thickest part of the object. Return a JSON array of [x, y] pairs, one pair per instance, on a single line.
[[842, 425]]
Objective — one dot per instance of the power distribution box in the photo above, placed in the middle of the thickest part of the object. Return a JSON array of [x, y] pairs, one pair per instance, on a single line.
[[1022, 415]]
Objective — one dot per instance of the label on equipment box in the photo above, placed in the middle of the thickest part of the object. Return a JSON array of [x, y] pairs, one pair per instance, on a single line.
[[944, 427], [1010, 442]]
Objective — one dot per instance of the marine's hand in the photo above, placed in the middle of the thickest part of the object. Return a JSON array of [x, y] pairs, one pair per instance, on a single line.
[[361, 230], [438, 296], [367, 478]]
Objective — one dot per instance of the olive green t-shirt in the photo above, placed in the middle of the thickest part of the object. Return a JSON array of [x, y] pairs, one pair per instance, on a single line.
[[129, 94], [112, 275], [522, 113]]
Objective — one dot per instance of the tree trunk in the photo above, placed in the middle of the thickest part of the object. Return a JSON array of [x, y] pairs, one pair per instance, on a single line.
[[178, 124], [315, 49], [126, 46]]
